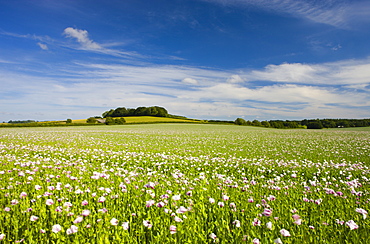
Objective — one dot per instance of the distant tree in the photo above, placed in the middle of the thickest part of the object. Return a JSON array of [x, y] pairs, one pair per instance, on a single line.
[[68, 121], [119, 112], [109, 121], [240, 121], [265, 124], [328, 123], [108, 113], [315, 125], [277, 124], [120, 121], [91, 120], [142, 111], [161, 112], [256, 123]]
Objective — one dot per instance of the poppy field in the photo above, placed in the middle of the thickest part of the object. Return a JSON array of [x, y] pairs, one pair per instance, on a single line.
[[184, 183]]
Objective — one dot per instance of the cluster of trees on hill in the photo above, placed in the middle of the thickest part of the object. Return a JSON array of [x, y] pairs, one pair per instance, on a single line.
[[309, 124], [107, 121], [140, 111], [21, 121]]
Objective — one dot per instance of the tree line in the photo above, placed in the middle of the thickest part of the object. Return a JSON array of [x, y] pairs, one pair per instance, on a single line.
[[140, 111], [309, 124]]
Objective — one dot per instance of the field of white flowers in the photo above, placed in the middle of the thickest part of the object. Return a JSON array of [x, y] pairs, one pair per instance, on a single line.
[[184, 184]]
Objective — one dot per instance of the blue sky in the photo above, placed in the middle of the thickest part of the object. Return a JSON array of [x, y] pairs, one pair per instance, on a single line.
[[205, 59]]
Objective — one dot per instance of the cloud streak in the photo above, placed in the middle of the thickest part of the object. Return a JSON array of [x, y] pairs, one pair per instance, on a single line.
[[336, 13], [82, 37], [293, 91]]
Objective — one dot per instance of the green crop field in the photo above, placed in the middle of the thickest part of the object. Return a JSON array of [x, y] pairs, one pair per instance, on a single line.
[[148, 119], [184, 183]]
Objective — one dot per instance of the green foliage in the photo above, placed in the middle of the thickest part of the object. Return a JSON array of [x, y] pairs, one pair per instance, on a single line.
[[140, 111], [21, 121], [68, 121], [256, 123], [315, 125], [112, 121], [265, 124], [240, 121], [91, 120]]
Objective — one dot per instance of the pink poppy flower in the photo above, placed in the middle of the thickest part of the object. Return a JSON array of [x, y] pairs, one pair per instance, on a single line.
[[150, 185], [49, 202], [103, 210], [125, 225], [79, 219], [67, 205], [213, 236], [173, 229], [296, 216], [176, 197], [271, 198], [161, 204], [2, 236], [256, 241], [114, 221], [298, 222], [352, 225], [56, 228], [362, 211], [73, 229], [256, 222], [34, 218], [86, 212], [236, 223], [150, 203], [147, 224], [284, 232], [14, 202], [101, 199], [177, 219], [278, 241], [269, 225], [84, 203], [267, 212], [59, 209], [181, 210]]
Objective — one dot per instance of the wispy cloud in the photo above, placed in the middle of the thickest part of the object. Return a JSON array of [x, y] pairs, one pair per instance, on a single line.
[[294, 92], [82, 37], [330, 12], [87, 44], [334, 73], [43, 46], [190, 81]]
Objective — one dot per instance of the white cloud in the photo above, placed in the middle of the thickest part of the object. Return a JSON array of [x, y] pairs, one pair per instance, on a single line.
[[190, 81], [82, 37], [235, 79], [43, 46], [330, 12], [90, 89], [335, 73]]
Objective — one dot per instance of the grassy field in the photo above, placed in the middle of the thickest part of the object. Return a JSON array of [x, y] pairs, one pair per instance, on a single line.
[[148, 119], [184, 183]]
